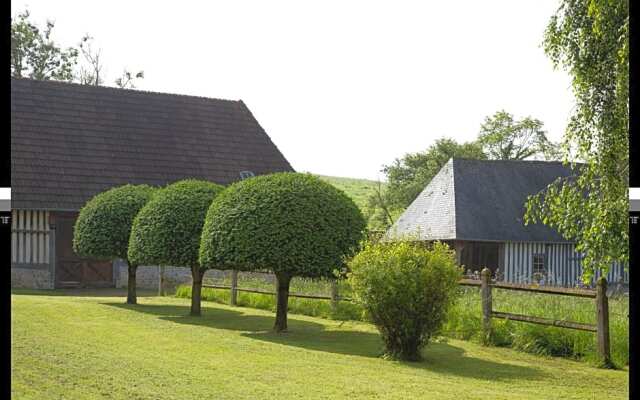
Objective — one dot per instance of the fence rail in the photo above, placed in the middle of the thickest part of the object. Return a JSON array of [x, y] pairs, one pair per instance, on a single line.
[[600, 328], [529, 288], [260, 291]]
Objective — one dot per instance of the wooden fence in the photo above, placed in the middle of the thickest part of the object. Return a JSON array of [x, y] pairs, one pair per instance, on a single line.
[[600, 328]]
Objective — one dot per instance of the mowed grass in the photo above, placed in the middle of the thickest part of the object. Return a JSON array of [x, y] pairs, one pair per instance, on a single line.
[[81, 347]]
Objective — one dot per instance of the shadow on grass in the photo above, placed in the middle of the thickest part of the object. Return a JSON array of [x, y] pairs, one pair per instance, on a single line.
[[439, 358], [92, 292], [443, 358]]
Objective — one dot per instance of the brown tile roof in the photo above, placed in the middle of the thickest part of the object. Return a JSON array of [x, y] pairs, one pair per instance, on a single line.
[[70, 141]]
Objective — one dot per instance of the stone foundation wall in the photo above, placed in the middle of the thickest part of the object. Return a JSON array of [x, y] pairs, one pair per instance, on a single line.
[[30, 278]]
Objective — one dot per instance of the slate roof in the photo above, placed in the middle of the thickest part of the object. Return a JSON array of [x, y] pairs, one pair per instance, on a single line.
[[70, 141], [481, 200]]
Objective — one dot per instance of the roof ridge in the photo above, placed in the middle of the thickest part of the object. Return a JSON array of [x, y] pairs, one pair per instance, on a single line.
[[513, 161], [121, 90]]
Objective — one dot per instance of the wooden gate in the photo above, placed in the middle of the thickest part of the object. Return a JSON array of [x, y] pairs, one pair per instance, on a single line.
[[71, 270]]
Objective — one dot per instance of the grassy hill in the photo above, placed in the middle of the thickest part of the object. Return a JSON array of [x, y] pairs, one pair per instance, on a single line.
[[358, 189]]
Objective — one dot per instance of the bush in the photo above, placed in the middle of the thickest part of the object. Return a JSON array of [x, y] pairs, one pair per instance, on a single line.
[[292, 224], [167, 230], [103, 227], [406, 290]]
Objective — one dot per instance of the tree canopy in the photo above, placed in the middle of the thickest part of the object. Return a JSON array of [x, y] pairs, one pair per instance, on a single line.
[[35, 55], [591, 41], [289, 223], [504, 138], [167, 229], [103, 226]]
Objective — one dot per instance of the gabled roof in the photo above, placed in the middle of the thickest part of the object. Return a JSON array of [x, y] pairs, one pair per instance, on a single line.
[[70, 141], [481, 200]]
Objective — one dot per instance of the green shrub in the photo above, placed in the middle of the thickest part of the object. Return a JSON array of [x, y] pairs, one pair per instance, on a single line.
[[103, 227], [289, 223], [167, 230], [406, 291]]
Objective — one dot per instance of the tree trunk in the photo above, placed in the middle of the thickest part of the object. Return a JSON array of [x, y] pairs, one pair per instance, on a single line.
[[196, 290], [131, 285], [283, 281]]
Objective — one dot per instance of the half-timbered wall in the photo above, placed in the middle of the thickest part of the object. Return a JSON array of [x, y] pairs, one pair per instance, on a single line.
[[562, 262], [30, 233]]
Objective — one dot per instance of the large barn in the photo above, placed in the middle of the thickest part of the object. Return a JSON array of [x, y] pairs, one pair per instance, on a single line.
[[478, 206], [70, 142]]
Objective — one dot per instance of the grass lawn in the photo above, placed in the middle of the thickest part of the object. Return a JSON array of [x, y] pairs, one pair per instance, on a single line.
[[83, 347]]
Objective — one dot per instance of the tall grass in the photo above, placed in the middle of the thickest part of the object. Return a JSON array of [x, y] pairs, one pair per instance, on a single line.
[[464, 320]]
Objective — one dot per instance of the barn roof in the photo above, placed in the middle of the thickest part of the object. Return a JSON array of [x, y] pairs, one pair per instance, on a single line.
[[481, 200], [70, 141]]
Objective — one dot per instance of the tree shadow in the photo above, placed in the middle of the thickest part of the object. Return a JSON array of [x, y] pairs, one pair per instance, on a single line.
[[214, 317], [440, 358], [443, 358]]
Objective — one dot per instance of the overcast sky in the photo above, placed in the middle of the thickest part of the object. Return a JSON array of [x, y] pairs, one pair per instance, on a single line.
[[341, 87]]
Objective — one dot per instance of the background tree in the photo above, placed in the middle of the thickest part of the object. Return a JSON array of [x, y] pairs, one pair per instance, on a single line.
[[409, 175], [289, 223], [591, 41], [167, 230], [89, 73], [503, 138], [104, 224], [128, 78], [34, 54]]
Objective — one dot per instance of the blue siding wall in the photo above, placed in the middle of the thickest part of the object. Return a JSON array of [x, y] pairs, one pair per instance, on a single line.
[[562, 262]]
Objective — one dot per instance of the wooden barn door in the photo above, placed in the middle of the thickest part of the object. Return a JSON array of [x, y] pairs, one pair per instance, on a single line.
[[71, 270]]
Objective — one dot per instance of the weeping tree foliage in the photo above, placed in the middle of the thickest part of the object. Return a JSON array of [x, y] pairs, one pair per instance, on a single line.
[[167, 230], [289, 223], [590, 39], [103, 227]]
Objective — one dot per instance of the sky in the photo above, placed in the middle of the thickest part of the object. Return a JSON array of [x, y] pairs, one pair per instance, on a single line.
[[341, 87]]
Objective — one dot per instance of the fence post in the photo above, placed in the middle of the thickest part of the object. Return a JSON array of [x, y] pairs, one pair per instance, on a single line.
[[161, 282], [602, 318], [485, 295], [233, 300], [334, 295]]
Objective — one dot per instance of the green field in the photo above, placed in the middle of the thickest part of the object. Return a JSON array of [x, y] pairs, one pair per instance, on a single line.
[[358, 189], [83, 347]]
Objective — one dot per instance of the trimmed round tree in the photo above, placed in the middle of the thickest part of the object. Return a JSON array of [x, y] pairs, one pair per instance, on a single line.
[[167, 230], [103, 227], [289, 223]]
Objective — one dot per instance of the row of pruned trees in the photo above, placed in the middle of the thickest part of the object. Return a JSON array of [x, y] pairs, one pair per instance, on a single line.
[[288, 223]]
